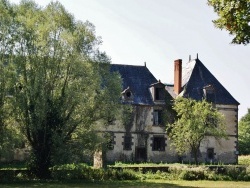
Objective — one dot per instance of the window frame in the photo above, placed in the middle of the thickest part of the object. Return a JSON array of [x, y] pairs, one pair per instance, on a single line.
[[159, 93], [127, 142], [158, 143], [158, 117]]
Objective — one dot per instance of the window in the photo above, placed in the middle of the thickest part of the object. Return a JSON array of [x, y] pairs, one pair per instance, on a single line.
[[158, 117], [159, 93], [209, 93], [127, 144], [158, 143], [127, 95], [210, 153]]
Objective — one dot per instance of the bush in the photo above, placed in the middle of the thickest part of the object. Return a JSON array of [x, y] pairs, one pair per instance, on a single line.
[[71, 171], [14, 175], [244, 159], [192, 175], [85, 172]]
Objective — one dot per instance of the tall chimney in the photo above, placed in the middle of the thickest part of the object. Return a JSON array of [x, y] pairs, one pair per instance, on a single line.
[[177, 76]]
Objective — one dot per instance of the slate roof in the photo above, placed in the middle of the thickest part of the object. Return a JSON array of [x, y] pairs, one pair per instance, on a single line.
[[197, 77], [138, 79]]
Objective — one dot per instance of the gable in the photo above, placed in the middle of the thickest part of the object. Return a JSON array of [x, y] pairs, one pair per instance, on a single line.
[[199, 79]]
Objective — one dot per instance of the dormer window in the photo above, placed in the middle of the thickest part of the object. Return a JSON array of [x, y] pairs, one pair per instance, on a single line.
[[209, 93], [127, 94], [158, 91]]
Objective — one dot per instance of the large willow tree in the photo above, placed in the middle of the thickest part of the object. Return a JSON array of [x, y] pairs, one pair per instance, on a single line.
[[61, 84]]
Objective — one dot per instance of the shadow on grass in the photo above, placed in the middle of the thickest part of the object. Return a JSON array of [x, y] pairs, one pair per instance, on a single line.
[[78, 184]]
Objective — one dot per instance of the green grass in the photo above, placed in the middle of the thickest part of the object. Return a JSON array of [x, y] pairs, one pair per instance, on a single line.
[[131, 184]]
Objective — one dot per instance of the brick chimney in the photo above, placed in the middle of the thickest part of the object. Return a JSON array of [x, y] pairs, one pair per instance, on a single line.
[[177, 76]]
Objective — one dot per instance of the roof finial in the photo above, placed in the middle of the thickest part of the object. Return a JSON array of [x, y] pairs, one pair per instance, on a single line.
[[145, 64], [189, 57], [197, 56]]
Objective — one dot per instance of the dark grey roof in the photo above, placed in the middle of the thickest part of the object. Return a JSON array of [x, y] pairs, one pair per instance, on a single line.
[[138, 79], [201, 77]]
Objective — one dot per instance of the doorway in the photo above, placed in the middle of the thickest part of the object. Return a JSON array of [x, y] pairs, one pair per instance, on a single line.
[[140, 154]]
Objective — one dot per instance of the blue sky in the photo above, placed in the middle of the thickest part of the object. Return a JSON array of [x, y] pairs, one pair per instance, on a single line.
[[159, 31]]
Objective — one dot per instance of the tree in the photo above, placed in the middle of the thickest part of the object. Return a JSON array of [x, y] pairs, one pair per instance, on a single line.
[[195, 121], [10, 135], [61, 81], [234, 16], [244, 134]]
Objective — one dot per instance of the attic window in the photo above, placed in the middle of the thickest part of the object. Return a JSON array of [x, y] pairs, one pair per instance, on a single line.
[[209, 93], [159, 93], [127, 94]]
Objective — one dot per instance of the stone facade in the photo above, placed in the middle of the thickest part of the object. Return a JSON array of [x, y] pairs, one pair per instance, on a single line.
[[144, 139]]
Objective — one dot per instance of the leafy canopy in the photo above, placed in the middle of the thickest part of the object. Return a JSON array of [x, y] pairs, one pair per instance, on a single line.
[[244, 134], [195, 121], [234, 16], [60, 81]]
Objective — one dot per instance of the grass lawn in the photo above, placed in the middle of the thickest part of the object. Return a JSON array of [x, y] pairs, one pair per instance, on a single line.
[[131, 184]]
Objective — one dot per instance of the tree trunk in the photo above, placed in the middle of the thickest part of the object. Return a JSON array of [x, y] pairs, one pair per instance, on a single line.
[[196, 154], [41, 161], [41, 155]]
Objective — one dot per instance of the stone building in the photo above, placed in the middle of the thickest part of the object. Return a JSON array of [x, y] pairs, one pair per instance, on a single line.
[[142, 136], [197, 82]]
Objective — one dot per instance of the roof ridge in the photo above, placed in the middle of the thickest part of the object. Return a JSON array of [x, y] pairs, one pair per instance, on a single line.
[[128, 65]]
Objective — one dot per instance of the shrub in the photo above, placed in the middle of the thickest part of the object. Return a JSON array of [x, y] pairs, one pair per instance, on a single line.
[[244, 159], [14, 175], [192, 175], [85, 172], [71, 171]]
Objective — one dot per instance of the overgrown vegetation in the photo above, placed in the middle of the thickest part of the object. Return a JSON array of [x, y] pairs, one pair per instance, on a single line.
[[139, 172], [55, 84], [195, 121], [244, 160], [244, 134]]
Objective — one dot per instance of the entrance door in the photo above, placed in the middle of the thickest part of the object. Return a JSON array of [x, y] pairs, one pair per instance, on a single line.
[[140, 154]]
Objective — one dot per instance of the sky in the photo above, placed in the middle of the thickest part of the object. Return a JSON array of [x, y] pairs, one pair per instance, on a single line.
[[160, 31]]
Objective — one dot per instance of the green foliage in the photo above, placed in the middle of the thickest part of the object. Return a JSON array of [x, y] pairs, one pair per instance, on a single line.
[[10, 175], [244, 134], [234, 16], [244, 160], [84, 172], [81, 171], [60, 82], [196, 119], [10, 135], [189, 172], [127, 116]]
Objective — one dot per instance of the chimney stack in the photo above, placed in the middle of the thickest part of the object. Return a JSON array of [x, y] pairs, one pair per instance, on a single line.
[[177, 76]]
